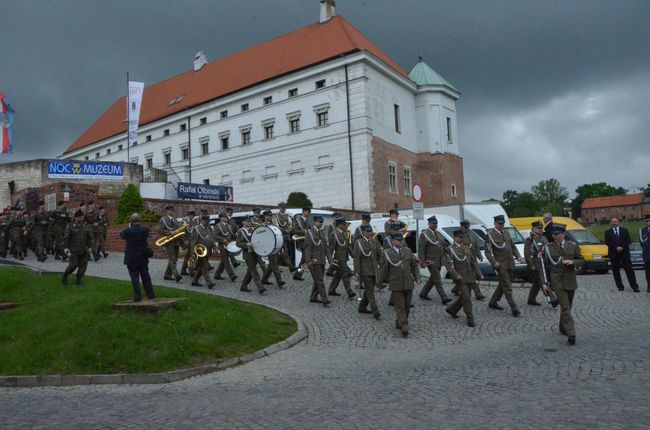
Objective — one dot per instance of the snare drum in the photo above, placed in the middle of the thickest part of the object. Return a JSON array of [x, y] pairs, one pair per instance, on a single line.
[[233, 249], [267, 240]]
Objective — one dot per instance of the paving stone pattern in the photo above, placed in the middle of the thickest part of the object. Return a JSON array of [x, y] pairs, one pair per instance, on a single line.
[[355, 372]]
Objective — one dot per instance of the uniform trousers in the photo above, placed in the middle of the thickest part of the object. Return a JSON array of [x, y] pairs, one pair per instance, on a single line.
[[434, 280], [341, 273], [172, 257], [318, 288], [464, 300], [504, 288], [224, 263], [78, 262], [368, 284], [565, 297], [251, 272], [137, 272], [273, 267], [402, 302]]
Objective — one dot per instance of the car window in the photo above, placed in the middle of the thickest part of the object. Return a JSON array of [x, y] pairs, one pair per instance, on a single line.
[[636, 247], [515, 235], [582, 237]]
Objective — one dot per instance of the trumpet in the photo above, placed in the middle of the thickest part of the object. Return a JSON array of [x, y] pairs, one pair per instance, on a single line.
[[303, 266], [199, 251], [179, 232]]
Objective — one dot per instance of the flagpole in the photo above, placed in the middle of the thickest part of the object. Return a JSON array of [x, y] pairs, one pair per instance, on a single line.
[[128, 119]]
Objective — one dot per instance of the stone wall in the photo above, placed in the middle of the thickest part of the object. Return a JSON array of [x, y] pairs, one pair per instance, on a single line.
[[435, 173]]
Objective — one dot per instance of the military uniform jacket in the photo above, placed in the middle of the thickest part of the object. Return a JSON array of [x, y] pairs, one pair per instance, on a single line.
[[103, 222], [234, 228], [166, 226], [431, 248], [41, 219], [644, 239], [61, 218], [204, 236], [399, 269], [562, 276], [499, 248], [357, 234], [300, 228], [92, 217], [16, 222], [338, 246], [533, 245], [471, 242], [256, 221], [243, 238], [77, 239], [367, 257], [315, 245], [222, 233], [460, 261], [283, 222]]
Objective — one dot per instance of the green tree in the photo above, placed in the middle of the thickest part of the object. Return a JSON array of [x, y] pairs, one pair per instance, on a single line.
[[646, 191], [509, 200], [551, 195], [525, 205], [587, 191], [298, 199]]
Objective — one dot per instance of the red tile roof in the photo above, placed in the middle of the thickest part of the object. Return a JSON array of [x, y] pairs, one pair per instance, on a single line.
[[606, 202], [302, 48]]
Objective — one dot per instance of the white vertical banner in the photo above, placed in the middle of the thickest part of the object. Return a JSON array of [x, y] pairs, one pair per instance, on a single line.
[[134, 101]]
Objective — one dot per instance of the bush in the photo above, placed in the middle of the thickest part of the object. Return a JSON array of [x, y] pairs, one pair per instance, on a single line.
[[131, 202], [298, 199]]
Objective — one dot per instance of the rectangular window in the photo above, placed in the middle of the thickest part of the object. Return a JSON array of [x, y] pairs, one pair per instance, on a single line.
[[320, 84], [293, 92], [268, 100], [167, 157], [223, 114], [294, 125], [448, 130], [203, 121], [149, 162], [119, 147], [225, 140], [322, 118], [96, 154], [185, 153], [453, 191], [244, 107], [407, 182], [166, 132], [86, 158], [183, 127], [392, 178], [268, 131], [206, 182], [108, 151], [245, 137], [147, 138], [204, 148], [397, 122]]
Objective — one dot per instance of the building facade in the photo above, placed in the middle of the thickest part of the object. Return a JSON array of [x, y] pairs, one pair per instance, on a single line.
[[320, 110], [626, 207]]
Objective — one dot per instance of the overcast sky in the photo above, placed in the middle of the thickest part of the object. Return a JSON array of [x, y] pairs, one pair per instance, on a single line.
[[549, 88]]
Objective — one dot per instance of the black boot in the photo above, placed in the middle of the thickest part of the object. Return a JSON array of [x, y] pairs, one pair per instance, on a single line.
[[64, 278], [79, 278]]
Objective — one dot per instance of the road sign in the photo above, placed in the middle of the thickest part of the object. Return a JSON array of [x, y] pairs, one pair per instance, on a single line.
[[417, 193], [418, 210]]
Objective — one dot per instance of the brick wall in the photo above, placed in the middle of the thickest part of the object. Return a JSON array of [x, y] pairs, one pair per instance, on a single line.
[[591, 215], [435, 173]]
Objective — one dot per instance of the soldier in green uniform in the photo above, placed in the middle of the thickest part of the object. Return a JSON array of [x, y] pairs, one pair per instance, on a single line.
[[431, 252], [400, 267], [205, 237], [501, 252], [463, 269], [192, 222], [17, 227], [389, 226], [40, 224], [274, 260], [340, 250], [561, 256], [167, 225], [469, 240], [284, 223], [257, 219], [533, 245], [4, 237], [92, 225], [249, 256], [389, 231], [300, 229], [102, 231], [367, 259], [315, 254], [77, 243], [60, 222], [223, 236], [232, 225], [330, 228]]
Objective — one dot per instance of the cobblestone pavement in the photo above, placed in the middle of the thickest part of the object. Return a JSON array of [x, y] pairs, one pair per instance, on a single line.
[[355, 372]]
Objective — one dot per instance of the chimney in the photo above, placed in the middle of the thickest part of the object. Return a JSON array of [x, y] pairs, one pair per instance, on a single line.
[[200, 60], [327, 10]]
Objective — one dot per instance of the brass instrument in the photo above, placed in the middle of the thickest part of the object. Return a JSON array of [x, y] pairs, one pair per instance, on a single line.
[[179, 232], [348, 236], [297, 238], [199, 251], [303, 266]]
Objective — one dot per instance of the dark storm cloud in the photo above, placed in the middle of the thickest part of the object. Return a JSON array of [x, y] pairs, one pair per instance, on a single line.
[[565, 81]]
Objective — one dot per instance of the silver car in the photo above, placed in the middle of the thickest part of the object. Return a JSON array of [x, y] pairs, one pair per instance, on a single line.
[[636, 255]]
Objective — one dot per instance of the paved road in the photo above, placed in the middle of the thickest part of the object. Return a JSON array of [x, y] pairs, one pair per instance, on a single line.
[[355, 372]]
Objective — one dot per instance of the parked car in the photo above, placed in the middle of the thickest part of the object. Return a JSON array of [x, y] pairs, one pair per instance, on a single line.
[[636, 254]]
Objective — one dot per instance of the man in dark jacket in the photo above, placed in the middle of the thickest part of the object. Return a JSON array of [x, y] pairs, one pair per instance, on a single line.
[[136, 257], [618, 243], [644, 239]]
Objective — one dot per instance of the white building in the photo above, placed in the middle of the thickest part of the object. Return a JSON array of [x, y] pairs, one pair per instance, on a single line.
[[320, 110]]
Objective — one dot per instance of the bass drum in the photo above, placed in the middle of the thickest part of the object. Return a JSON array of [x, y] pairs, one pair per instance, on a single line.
[[267, 240], [233, 249]]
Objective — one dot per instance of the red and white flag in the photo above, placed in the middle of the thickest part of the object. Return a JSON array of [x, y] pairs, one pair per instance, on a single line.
[[6, 125]]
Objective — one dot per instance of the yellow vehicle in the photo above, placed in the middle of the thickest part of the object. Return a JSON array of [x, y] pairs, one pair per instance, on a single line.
[[594, 252]]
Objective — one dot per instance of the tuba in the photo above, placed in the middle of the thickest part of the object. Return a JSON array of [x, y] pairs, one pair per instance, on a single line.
[[199, 251], [179, 232]]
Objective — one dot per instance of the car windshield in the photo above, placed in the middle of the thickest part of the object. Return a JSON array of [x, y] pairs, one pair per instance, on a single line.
[[476, 237], [582, 237]]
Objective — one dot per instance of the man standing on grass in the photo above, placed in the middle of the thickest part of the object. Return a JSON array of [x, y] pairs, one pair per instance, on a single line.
[[136, 257], [77, 243]]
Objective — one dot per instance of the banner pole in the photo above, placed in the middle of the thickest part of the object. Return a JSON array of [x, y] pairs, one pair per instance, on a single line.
[[128, 120]]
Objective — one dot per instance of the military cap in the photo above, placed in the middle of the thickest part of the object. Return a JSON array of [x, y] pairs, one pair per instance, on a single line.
[[537, 224], [459, 233], [559, 228], [257, 210], [365, 217], [397, 236], [205, 217], [366, 227], [499, 218], [318, 218], [464, 223], [41, 202], [282, 205], [340, 221], [306, 209], [395, 225], [79, 213], [393, 211], [169, 208], [267, 213], [432, 219], [61, 203]]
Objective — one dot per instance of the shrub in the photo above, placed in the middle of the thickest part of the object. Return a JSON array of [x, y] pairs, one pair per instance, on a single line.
[[298, 199]]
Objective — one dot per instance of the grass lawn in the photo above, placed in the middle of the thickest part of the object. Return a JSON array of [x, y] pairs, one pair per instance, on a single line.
[[633, 227], [74, 330]]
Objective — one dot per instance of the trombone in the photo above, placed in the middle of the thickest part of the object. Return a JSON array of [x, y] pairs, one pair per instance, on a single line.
[[179, 232]]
